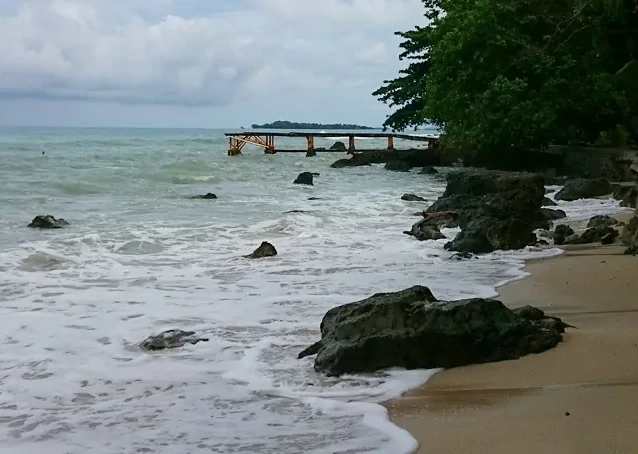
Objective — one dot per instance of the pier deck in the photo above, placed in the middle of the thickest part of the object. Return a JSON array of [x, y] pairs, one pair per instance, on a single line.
[[266, 140]]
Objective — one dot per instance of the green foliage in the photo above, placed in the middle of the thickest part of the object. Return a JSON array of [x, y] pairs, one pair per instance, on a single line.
[[518, 74]]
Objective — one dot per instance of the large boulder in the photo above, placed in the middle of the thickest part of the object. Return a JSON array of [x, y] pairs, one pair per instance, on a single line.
[[583, 188], [264, 250], [497, 210], [306, 178], [47, 222], [413, 330]]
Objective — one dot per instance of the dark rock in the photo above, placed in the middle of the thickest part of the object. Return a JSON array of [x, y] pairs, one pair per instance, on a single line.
[[497, 210], [305, 178], [311, 153], [428, 170], [295, 211], [398, 166], [632, 250], [429, 227], [550, 191], [47, 222], [207, 196], [628, 195], [312, 350], [173, 338], [601, 221], [412, 198], [604, 235], [463, 256], [314, 198], [629, 235], [547, 202], [412, 330], [561, 233], [563, 230], [264, 250], [417, 157], [583, 188], [339, 146], [552, 215]]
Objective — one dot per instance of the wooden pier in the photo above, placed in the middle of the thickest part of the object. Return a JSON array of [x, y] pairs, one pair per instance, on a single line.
[[266, 140]]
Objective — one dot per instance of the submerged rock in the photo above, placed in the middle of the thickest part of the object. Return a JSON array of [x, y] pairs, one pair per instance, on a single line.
[[398, 166], [413, 330], [412, 198], [547, 202], [173, 338], [47, 222], [207, 196], [428, 170], [552, 215], [497, 210], [305, 178], [264, 250], [583, 188]]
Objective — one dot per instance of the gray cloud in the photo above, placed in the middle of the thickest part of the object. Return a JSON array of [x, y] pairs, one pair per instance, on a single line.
[[143, 52]]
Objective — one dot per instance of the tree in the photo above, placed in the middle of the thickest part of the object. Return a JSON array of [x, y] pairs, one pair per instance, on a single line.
[[501, 75]]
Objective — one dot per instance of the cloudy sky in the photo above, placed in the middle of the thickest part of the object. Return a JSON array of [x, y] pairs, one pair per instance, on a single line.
[[197, 63]]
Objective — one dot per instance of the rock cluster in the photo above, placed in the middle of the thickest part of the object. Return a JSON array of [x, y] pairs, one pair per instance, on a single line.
[[47, 222], [412, 329]]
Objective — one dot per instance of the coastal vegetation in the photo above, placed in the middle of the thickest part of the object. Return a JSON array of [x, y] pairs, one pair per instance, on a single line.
[[283, 124], [499, 75]]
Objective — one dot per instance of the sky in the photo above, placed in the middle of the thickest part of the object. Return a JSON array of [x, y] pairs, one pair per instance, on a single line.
[[198, 63]]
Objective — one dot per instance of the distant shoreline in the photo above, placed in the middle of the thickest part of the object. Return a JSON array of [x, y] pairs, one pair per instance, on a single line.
[[309, 126]]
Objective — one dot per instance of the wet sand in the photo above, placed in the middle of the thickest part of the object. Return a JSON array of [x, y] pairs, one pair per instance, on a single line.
[[579, 398]]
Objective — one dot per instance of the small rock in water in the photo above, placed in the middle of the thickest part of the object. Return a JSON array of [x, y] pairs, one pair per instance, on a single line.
[[428, 170], [264, 250], [547, 202], [412, 198], [173, 338], [207, 196], [47, 222], [305, 178]]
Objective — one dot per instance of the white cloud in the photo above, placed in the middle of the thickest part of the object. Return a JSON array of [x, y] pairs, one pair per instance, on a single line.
[[188, 52]]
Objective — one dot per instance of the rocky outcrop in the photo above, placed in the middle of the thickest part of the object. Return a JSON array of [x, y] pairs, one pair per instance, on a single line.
[[627, 194], [552, 215], [207, 196], [47, 222], [561, 232], [547, 202], [264, 250], [412, 198], [418, 157], [601, 221], [413, 330], [428, 170], [496, 210], [306, 178], [583, 188], [339, 146], [174, 338]]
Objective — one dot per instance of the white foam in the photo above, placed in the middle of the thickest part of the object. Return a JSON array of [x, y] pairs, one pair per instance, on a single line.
[[77, 301]]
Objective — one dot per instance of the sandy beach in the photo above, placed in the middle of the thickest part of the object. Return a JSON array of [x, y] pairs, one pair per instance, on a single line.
[[579, 398]]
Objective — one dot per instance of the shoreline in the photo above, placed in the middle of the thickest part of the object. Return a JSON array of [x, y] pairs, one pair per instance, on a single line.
[[575, 398]]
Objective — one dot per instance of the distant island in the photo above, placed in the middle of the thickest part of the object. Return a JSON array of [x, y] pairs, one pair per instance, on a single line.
[[292, 125]]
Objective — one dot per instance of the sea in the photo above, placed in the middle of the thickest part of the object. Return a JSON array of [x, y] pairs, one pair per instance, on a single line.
[[140, 256]]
